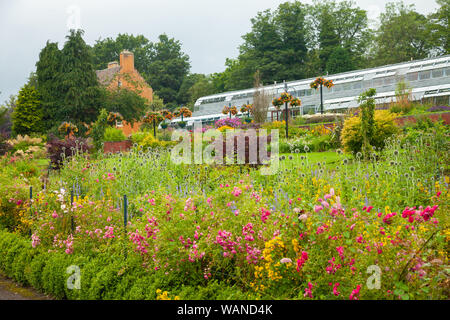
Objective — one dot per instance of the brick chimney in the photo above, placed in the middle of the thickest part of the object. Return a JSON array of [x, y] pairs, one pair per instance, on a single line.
[[113, 64], [127, 61]]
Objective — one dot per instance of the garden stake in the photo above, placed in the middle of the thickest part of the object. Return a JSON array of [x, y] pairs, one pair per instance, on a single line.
[[125, 213], [31, 210], [71, 206]]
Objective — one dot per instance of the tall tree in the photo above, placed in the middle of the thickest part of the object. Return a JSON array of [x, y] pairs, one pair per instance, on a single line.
[[78, 82], [262, 47], [328, 39], [48, 71], [403, 35], [340, 60], [107, 50], [440, 28], [339, 25], [28, 114], [168, 67], [276, 46], [203, 87], [183, 96], [290, 21]]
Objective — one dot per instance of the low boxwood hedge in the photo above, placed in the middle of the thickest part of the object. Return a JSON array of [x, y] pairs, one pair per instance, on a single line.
[[106, 275]]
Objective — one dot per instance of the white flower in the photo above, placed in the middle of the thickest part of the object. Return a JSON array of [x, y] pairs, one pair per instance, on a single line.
[[285, 260]]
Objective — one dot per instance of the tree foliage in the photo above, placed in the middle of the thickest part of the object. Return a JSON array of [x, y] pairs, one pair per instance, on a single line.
[[403, 35], [28, 114], [48, 70], [67, 82], [108, 50], [126, 102], [440, 28], [169, 66], [367, 106], [98, 129], [78, 81]]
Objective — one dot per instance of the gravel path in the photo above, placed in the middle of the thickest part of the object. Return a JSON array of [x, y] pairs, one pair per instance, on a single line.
[[9, 290]]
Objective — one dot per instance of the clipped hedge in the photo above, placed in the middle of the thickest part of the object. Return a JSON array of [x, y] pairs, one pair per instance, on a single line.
[[106, 275]]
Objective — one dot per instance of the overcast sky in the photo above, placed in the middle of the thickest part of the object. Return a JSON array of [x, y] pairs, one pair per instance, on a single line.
[[209, 30]]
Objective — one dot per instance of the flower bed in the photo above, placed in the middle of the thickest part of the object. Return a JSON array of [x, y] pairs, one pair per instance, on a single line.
[[310, 231]]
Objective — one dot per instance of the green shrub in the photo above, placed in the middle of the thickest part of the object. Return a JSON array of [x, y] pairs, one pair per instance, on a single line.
[[165, 135], [351, 137], [104, 283], [114, 134], [54, 276], [149, 141], [214, 290], [21, 264], [299, 121], [28, 114], [98, 129], [137, 137], [34, 273], [323, 118]]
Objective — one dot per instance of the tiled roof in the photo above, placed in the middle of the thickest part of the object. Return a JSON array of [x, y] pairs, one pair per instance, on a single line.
[[106, 75]]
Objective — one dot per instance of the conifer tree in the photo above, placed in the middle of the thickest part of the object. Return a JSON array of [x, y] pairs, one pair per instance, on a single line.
[[48, 70], [78, 82], [28, 114]]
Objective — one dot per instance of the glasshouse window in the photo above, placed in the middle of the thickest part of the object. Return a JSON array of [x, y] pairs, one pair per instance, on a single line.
[[438, 73], [413, 76], [378, 82], [357, 85], [424, 75], [388, 81]]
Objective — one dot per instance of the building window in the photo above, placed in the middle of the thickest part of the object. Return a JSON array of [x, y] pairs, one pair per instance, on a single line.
[[388, 81], [437, 73], [413, 76], [447, 72], [424, 75], [357, 85], [378, 82]]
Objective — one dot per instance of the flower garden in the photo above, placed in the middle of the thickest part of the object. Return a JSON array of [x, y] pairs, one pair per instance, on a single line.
[[138, 226]]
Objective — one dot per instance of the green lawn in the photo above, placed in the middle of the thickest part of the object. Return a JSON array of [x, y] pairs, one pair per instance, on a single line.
[[331, 158]]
